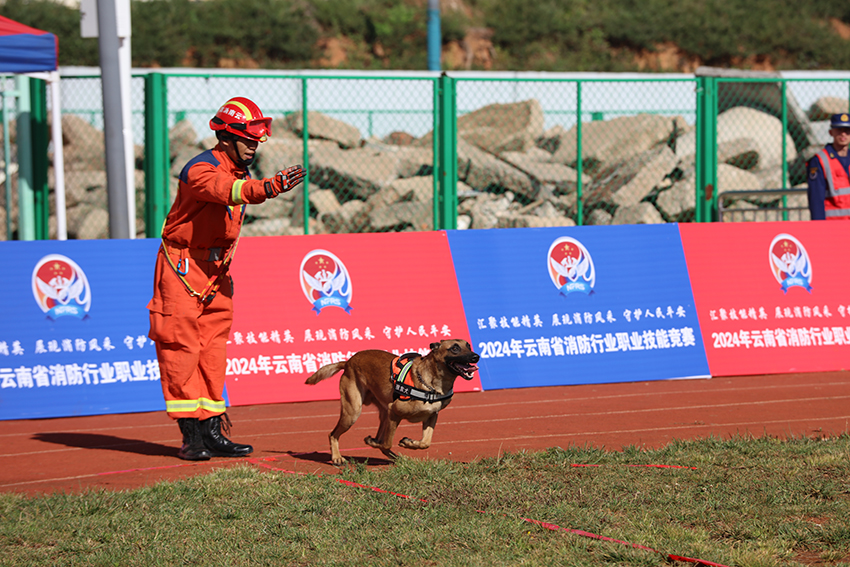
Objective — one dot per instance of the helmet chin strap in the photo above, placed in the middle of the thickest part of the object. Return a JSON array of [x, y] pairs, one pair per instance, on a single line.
[[239, 160]]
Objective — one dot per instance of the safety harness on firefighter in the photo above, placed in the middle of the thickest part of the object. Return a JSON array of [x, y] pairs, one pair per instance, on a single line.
[[203, 254], [403, 386]]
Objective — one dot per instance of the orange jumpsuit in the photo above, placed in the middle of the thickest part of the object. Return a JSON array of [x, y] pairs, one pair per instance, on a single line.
[[192, 307]]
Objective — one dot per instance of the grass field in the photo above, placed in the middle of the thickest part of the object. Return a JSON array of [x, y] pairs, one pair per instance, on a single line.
[[743, 501]]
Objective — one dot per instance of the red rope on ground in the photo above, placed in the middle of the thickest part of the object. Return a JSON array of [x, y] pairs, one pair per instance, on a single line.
[[648, 466], [591, 535], [547, 525]]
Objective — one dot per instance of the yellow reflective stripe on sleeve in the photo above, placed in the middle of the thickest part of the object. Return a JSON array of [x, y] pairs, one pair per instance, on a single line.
[[186, 406], [236, 192]]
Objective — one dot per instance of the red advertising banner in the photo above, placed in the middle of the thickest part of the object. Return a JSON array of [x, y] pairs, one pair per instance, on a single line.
[[305, 301], [771, 297]]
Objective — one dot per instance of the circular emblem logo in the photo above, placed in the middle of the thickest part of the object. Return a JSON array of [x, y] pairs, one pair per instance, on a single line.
[[60, 287], [570, 266], [325, 281], [790, 263]]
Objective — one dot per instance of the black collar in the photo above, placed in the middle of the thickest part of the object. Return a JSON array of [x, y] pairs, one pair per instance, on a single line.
[[401, 389]]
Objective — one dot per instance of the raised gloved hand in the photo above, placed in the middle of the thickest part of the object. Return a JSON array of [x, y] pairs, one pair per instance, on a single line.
[[284, 180]]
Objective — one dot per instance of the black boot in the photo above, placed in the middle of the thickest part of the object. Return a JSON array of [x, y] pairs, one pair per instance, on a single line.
[[193, 444], [218, 444]]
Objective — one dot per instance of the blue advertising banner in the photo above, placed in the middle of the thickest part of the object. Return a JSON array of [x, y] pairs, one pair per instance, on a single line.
[[578, 305], [73, 333]]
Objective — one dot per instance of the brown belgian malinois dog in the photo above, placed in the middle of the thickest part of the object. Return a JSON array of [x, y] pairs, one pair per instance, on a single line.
[[368, 378]]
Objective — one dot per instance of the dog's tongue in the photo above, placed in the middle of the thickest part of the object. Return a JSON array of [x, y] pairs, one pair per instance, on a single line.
[[465, 371]]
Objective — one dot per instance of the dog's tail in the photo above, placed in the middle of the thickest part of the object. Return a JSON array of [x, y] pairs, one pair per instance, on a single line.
[[325, 372]]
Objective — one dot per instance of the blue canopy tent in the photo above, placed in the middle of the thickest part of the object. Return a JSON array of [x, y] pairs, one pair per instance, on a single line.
[[26, 50], [35, 53]]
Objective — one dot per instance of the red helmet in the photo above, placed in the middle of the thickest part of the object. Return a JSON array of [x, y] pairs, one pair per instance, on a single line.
[[243, 118]]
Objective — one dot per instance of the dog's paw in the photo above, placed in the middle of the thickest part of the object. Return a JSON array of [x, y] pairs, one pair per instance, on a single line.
[[339, 461], [408, 443], [372, 442]]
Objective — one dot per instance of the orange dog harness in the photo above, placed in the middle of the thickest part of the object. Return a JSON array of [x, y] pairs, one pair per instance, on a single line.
[[403, 386]]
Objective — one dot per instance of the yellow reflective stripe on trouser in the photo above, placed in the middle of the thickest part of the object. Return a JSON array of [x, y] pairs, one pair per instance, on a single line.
[[186, 406], [236, 192]]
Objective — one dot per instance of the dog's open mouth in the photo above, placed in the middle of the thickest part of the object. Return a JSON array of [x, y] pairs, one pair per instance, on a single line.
[[464, 369]]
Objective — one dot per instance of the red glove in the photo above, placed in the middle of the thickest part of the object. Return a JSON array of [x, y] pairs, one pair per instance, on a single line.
[[284, 180]]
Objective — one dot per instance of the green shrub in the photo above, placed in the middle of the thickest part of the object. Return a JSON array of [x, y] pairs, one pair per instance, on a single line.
[[271, 32], [161, 31], [547, 35], [724, 32], [341, 18]]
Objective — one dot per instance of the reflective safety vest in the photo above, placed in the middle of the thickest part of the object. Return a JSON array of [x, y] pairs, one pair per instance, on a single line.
[[837, 203]]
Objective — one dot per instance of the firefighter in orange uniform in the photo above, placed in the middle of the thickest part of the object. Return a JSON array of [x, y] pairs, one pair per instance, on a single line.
[[829, 174], [192, 307]]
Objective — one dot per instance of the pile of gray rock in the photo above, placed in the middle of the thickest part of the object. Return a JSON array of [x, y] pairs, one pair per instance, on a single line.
[[512, 172]]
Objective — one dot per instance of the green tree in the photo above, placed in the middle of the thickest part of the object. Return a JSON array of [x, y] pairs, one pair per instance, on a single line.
[[274, 33], [161, 32]]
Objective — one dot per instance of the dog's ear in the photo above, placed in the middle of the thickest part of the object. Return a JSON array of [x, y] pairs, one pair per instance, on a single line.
[[435, 346]]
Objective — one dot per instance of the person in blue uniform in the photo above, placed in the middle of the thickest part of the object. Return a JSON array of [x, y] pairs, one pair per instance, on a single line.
[[829, 174]]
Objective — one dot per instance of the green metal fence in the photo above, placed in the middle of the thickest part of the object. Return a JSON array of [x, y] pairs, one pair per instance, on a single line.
[[579, 151], [764, 132], [366, 171], [424, 151]]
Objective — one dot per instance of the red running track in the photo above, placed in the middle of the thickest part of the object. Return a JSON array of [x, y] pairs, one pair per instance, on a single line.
[[133, 450]]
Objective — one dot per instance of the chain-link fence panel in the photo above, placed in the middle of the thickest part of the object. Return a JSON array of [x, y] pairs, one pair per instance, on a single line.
[[767, 130], [366, 142], [758, 134], [548, 152], [86, 196], [525, 150]]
